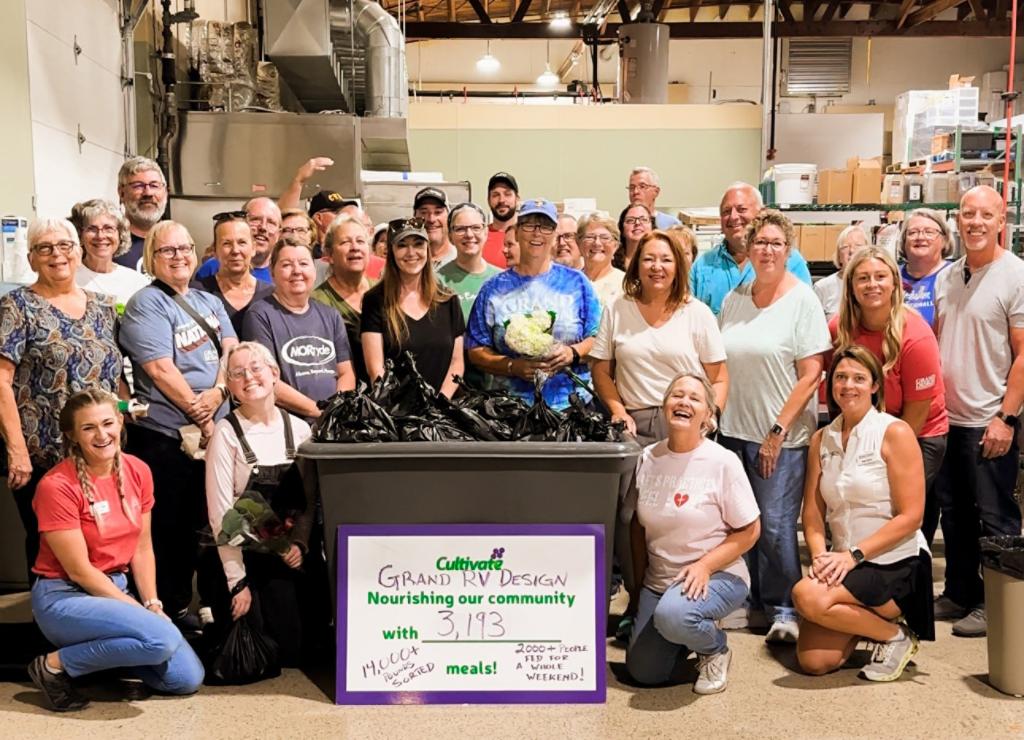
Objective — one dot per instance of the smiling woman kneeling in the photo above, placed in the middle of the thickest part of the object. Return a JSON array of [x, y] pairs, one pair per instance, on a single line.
[[695, 517], [865, 477], [94, 517]]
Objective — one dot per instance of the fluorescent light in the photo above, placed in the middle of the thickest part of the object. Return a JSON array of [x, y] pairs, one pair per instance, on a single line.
[[548, 80], [560, 20], [488, 63]]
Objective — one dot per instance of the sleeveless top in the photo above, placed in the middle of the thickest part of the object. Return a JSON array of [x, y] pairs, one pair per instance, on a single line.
[[855, 486]]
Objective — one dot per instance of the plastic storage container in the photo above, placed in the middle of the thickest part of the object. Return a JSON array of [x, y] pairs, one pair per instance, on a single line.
[[794, 183], [1003, 558], [470, 483]]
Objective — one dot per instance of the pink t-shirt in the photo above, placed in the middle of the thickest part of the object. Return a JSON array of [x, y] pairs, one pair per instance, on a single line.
[[917, 374], [688, 503]]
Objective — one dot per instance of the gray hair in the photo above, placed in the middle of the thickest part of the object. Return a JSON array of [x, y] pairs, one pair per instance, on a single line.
[[740, 185], [711, 426], [340, 220], [842, 238], [596, 219], [462, 207], [948, 245], [135, 165], [252, 201], [641, 170], [40, 226], [256, 348], [84, 213]]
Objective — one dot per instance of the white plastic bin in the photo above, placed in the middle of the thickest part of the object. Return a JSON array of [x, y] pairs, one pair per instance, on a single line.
[[794, 183]]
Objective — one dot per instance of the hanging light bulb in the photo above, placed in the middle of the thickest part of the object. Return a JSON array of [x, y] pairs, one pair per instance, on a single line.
[[560, 21], [548, 80], [488, 64]]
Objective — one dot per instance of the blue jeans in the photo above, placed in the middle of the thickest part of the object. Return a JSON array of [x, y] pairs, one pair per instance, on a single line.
[[774, 562], [667, 624], [96, 633], [976, 500]]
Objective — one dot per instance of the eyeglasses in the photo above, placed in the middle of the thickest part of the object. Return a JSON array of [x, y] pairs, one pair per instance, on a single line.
[[636, 220], [46, 249], [140, 187], [570, 237], [255, 369], [764, 244], [643, 187], [261, 221], [228, 216], [289, 230], [593, 238], [106, 230], [546, 229], [923, 233], [170, 252], [471, 229]]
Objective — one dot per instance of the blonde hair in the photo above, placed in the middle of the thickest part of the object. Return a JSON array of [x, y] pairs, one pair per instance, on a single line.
[[850, 316], [73, 451], [770, 217], [156, 233], [710, 425]]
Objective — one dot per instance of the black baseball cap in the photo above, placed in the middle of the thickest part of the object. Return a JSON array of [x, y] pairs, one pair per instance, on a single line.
[[329, 200], [430, 193], [502, 177]]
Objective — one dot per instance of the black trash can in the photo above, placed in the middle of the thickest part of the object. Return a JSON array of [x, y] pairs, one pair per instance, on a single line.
[[1003, 561]]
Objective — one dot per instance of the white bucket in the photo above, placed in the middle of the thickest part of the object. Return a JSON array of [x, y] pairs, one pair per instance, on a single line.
[[794, 183]]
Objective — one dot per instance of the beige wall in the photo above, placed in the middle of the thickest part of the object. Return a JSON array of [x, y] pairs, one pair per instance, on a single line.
[[17, 186]]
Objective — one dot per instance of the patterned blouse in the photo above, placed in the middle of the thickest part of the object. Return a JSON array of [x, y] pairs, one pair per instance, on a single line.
[[54, 357]]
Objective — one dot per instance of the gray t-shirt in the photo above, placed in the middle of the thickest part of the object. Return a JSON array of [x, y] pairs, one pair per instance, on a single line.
[[762, 346], [308, 346], [973, 320], [154, 327]]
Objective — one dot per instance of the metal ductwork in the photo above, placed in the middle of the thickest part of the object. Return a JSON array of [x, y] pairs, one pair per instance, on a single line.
[[371, 50], [298, 40]]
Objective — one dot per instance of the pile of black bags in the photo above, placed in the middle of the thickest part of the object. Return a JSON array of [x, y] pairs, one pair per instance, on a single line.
[[402, 407]]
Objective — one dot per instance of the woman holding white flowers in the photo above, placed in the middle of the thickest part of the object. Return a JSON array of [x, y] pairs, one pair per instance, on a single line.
[[409, 311], [555, 304]]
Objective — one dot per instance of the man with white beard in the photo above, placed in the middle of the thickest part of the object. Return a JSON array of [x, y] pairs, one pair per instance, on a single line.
[[142, 188]]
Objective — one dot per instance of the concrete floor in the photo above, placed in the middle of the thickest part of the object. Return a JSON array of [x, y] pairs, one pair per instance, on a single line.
[[945, 694]]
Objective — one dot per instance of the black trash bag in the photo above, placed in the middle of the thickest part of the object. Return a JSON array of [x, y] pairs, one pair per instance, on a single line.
[[247, 655], [433, 428], [1004, 554], [411, 395], [384, 387], [540, 423], [499, 409], [352, 416], [469, 421], [583, 424]]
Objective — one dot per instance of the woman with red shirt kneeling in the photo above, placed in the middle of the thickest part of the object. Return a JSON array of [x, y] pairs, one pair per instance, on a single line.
[[94, 518]]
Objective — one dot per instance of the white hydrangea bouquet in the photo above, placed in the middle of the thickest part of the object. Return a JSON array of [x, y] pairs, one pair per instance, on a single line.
[[529, 334]]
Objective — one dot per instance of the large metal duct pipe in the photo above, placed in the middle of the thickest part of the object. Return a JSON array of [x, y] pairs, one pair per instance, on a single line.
[[379, 47]]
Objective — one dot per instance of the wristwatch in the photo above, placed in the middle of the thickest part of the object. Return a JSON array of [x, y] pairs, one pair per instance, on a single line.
[[1009, 419], [777, 430], [575, 355], [858, 556]]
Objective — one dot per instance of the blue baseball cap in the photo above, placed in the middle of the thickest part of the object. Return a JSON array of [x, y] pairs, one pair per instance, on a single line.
[[539, 207]]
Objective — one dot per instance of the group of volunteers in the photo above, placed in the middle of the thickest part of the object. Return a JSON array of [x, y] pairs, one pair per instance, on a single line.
[[713, 362]]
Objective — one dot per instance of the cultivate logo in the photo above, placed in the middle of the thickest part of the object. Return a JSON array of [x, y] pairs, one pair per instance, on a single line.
[[308, 351], [463, 563]]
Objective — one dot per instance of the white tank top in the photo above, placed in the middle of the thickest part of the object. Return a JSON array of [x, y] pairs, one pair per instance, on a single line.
[[855, 485]]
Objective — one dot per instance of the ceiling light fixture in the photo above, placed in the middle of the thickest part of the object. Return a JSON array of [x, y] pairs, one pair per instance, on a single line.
[[560, 20], [548, 80], [488, 64]]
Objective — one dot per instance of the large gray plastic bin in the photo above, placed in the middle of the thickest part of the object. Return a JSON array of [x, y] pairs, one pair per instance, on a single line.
[[470, 483]]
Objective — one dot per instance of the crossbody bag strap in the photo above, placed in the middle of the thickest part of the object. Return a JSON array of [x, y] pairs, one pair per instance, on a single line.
[[191, 311]]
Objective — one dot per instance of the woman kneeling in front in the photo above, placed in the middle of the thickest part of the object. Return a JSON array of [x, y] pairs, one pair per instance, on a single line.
[[865, 477], [94, 512], [695, 517]]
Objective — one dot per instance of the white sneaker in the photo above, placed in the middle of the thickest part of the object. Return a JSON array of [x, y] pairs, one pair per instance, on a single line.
[[205, 615], [889, 659], [713, 672], [783, 632]]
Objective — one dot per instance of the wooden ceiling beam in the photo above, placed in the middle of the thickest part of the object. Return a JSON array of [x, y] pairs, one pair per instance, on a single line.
[[844, 9], [830, 11], [752, 10], [811, 10], [480, 11], [521, 11], [906, 7], [694, 9], [929, 11], [979, 10], [786, 11]]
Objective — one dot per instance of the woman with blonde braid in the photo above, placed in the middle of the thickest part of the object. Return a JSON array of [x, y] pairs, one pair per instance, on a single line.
[[94, 517], [872, 313]]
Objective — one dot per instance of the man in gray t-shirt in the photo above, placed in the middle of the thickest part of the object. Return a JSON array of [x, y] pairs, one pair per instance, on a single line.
[[979, 319]]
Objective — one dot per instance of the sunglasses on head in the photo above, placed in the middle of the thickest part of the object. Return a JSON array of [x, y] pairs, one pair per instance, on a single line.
[[229, 216], [402, 223]]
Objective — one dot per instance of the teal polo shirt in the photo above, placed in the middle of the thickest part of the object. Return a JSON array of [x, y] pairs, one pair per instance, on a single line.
[[715, 273]]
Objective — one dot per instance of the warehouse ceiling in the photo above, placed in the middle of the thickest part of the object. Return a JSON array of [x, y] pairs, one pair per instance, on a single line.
[[524, 19]]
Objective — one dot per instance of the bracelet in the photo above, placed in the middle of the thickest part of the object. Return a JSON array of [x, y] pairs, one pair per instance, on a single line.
[[153, 602], [508, 370], [575, 355], [223, 392]]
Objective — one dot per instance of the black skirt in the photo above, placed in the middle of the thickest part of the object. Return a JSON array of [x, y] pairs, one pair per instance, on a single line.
[[908, 582]]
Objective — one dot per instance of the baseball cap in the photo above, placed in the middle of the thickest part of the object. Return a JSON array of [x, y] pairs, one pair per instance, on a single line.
[[539, 207], [400, 228], [430, 193], [329, 200], [503, 177]]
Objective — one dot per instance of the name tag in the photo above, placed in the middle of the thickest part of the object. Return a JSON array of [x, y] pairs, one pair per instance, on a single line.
[[866, 459], [101, 507]]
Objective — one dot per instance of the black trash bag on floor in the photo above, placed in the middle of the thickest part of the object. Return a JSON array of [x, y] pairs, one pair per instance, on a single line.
[[583, 424], [1004, 554], [540, 423], [247, 655], [353, 416]]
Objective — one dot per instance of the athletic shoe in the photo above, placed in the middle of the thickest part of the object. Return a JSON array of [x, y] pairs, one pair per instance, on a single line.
[[783, 632], [974, 624], [947, 609], [205, 616], [624, 630], [713, 672], [58, 693], [187, 622], [890, 658]]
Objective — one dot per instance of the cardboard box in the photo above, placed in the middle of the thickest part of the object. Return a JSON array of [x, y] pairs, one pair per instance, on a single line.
[[832, 232], [835, 186], [867, 179], [811, 241]]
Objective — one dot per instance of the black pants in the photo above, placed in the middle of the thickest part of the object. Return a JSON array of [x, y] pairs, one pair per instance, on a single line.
[[23, 500], [933, 450], [179, 487], [976, 500]]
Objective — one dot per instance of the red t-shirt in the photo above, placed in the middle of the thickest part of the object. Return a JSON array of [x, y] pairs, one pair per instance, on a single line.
[[60, 504], [494, 248], [917, 374], [375, 266]]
